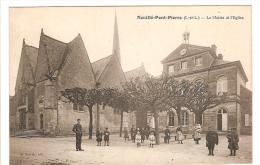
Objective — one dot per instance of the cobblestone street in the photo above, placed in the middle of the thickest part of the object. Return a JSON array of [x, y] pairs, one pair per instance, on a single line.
[[51, 151]]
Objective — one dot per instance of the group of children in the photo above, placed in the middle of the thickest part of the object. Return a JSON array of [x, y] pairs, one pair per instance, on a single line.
[[99, 136], [139, 135]]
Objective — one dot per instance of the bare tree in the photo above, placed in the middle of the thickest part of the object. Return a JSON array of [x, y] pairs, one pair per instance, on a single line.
[[149, 93], [201, 99]]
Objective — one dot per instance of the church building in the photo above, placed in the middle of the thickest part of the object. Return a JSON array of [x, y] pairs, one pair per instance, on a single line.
[[53, 67]]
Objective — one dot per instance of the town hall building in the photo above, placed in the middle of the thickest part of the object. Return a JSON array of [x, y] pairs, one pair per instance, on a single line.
[[201, 63]]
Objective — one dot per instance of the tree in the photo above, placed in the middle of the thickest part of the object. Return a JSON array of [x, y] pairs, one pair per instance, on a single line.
[[201, 99], [149, 92], [178, 95], [120, 100], [87, 97]]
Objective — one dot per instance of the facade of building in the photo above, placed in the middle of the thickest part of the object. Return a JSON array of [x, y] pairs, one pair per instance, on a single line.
[[200, 63], [53, 67]]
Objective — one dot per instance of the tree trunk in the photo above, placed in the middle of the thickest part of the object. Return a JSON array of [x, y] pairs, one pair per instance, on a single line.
[[90, 128], [198, 118], [121, 122], [98, 116], [178, 111], [156, 120]]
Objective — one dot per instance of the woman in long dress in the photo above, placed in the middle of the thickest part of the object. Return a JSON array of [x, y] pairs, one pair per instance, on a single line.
[[197, 135], [179, 135]]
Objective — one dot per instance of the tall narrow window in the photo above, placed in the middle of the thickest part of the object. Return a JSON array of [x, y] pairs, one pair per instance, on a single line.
[[184, 118], [75, 106], [171, 119], [184, 65], [198, 61], [221, 85], [171, 69], [247, 120]]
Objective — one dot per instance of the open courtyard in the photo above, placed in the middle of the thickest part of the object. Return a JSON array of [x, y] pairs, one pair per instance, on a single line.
[[61, 151]]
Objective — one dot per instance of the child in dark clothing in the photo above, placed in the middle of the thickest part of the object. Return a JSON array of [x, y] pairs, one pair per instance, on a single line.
[[106, 137]]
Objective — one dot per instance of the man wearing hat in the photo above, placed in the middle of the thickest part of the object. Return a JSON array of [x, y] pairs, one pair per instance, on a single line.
[[77, 129], [211, 140]]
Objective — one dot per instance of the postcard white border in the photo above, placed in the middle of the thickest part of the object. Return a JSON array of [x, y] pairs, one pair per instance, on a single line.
[[5, 4]]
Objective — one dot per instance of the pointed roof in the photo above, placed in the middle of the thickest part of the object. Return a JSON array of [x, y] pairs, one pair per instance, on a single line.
[[116, 45], [99, 66], [76, 69], [190, 51], [50, 56], [27, 65], [112, 74], [137, 72]]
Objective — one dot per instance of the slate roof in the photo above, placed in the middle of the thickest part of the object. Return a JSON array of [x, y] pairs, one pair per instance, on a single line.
[[99, 66], [134, 73], [50, 50], [220, 62], [112, 74], [27, 65], [191, 50], [76, 69]]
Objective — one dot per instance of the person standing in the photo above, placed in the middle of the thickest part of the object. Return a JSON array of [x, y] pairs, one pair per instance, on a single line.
[[233, 140], [99, 137], [138, 139], [211, 141], [152, 138], [132, 131], [179, 135], [77, 129], [126, 136], [142, 135], [106, 137], [197, 135], [167, 135], [147, 131]]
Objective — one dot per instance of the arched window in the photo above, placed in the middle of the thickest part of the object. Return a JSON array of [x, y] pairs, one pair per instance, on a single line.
[[221, 85], [171, 119], [184, 118]]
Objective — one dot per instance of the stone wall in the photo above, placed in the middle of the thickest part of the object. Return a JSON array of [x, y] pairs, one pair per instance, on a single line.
[[210, 116]]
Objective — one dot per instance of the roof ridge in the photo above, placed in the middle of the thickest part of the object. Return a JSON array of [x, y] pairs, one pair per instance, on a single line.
[[97, 79], [26, 45], [55, 39], [139, 67], [101, 59]]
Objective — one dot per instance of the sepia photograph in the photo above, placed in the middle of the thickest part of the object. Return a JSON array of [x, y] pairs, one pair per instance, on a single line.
[[130, 85]]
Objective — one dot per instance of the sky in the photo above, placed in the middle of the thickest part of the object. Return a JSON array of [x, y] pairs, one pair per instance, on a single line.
[[146, 41]]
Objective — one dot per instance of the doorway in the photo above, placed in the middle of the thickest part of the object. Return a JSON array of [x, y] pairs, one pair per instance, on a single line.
[[22, 118], [222, 120], [41, 121]]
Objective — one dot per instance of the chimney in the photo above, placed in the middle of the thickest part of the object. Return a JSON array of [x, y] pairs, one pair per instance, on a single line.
[[220, 56], [214, 48]]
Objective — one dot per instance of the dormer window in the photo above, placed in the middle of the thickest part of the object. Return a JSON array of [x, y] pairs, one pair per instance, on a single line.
[[198, 61], [184, 65], [171, 69]]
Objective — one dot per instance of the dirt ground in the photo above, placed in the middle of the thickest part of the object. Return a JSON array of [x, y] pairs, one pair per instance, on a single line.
[[61, 151]]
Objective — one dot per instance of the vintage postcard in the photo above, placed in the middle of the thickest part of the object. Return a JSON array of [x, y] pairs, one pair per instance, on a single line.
[[130, 85]]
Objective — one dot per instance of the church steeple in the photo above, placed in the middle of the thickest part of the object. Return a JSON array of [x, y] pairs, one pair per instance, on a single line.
[[116, 46]]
